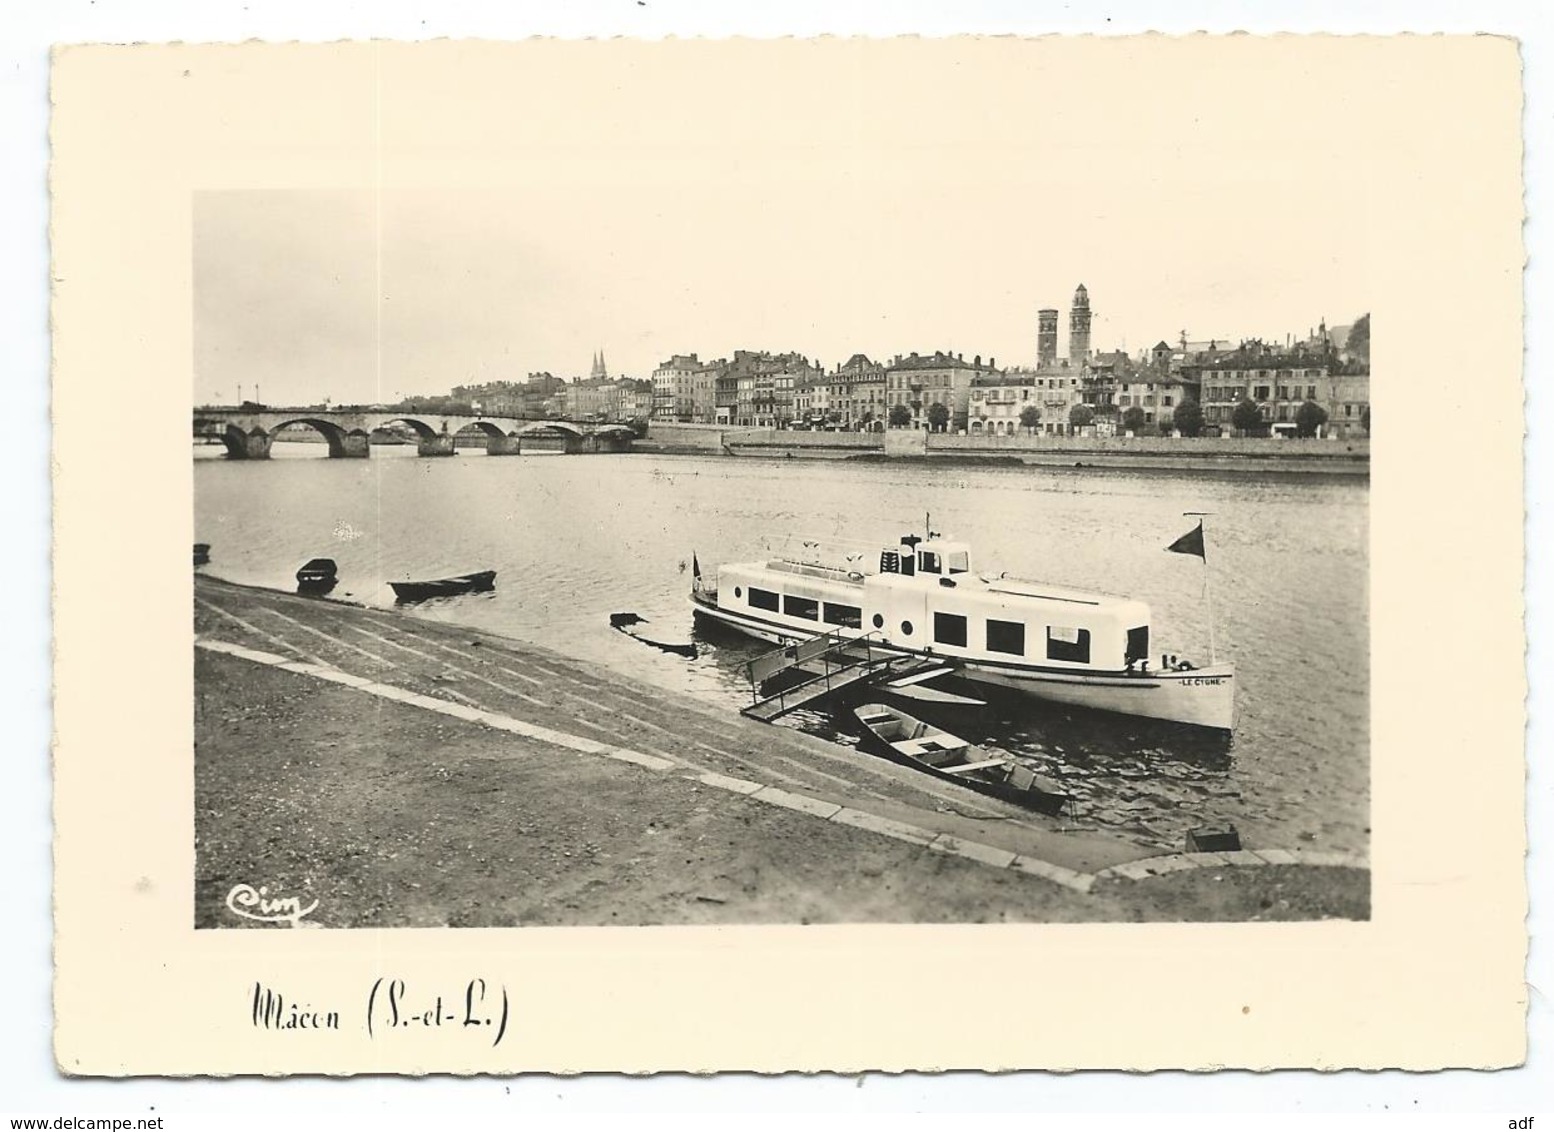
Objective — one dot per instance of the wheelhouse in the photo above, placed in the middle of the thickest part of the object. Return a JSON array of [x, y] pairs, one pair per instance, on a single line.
[[934, 558]]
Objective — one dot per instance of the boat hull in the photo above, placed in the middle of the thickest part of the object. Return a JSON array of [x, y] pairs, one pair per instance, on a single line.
[[445, 587], [1040, 795], [631, 625], [1049, 802], [1200, 697]]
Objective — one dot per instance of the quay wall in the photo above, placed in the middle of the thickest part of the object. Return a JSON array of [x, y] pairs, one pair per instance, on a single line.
[[1154, 446], [1228, 453], [683, 438]]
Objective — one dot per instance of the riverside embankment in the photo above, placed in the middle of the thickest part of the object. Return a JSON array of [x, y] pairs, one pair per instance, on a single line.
[[1199, 454], [404, 773]]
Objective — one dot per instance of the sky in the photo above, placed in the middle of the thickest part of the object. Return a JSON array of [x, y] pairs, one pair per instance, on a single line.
[[644, 224]]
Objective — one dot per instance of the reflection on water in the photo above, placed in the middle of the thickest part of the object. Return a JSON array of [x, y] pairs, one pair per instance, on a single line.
[[575, 539]]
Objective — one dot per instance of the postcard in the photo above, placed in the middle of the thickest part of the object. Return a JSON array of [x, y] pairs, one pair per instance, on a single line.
[[830, 554]]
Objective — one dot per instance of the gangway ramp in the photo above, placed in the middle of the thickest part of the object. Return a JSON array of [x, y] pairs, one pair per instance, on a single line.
[[831, 662]]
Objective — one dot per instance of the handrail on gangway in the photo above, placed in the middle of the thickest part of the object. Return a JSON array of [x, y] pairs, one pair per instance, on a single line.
[[824, 648]]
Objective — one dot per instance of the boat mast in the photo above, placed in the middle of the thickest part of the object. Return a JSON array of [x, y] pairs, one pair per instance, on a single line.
[[1208, 590], [1208, 599]]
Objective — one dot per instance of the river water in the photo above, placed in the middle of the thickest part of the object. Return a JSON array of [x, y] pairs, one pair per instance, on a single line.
[[576, 538]]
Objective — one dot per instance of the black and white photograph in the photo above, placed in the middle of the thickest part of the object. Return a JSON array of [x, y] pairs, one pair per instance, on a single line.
[[750, 535], [693, 537]]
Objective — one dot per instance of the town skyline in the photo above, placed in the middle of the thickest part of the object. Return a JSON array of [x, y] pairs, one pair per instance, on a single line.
[[472, 293]]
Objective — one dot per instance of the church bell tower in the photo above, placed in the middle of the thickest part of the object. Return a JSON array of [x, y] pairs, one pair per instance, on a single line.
[[1079, 327]]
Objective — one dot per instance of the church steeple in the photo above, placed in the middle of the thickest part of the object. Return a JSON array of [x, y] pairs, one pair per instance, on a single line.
[[599, 370]]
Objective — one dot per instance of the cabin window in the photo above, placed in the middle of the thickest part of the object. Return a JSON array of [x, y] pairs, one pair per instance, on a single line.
[[949, 629], [1138, 644], [806, 607], [763, 599], [906, 628], [879, 621], [960, 562], [927, 561], [848, 616], [1064, 643], [890, 562], [1006, 636]]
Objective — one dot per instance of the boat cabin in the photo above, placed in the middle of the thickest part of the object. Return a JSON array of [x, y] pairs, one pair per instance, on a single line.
[[925, 598], [929, 558]]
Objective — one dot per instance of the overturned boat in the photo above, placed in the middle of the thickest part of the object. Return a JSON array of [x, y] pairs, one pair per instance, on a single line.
[[317, 576], [922, 597]]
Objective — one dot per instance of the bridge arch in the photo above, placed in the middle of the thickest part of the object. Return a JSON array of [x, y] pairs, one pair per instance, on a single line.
[[334, 435], [613, 438], [552, 426], [423, 430], [487, 427]]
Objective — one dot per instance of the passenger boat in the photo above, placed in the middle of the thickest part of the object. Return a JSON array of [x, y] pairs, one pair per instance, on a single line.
[[445, 587], [943, 755], [921, 596]]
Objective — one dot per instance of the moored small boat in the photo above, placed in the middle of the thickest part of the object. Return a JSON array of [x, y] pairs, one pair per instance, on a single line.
[[932, 749], [631, 624], [478, 582], [317, 576]]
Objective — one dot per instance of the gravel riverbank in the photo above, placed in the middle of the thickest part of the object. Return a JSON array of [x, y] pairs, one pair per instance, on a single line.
[[389, 814]]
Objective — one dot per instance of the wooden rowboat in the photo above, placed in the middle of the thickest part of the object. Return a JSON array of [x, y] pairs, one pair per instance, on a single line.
[[931, 749], [445, 587], [631, 624], [317, 576]]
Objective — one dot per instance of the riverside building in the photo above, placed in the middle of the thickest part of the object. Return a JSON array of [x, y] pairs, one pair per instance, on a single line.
[[919, 382]]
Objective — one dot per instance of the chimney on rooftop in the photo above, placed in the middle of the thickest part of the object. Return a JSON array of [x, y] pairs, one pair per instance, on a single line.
[[977, 361], [992, 362]]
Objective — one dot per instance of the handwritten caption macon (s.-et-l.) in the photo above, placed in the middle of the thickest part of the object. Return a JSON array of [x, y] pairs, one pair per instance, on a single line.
[[478, 1009]]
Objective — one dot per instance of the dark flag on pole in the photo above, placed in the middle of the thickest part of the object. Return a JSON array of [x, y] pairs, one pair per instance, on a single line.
[[1190, 543]]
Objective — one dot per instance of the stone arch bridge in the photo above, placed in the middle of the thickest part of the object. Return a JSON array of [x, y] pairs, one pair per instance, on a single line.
[[248, 433]]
